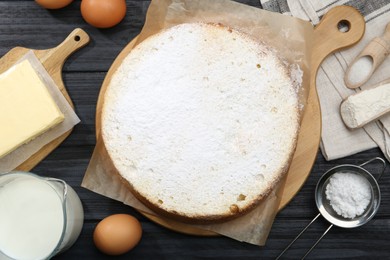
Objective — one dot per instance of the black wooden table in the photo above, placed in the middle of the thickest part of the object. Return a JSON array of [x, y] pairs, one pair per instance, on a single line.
[[23, 23]]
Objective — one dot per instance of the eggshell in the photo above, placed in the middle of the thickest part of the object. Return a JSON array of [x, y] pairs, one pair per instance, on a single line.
[[103, 13], [53, 4], [117, 234]]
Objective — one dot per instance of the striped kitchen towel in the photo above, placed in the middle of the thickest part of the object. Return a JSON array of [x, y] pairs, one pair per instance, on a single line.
[[336, 140]]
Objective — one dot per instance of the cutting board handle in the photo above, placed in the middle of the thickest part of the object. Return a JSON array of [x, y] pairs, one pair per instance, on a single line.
[[328, 37], [75, 40], [53, 60]]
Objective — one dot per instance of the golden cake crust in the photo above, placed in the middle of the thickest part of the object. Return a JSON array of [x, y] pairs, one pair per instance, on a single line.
[[201, 122]]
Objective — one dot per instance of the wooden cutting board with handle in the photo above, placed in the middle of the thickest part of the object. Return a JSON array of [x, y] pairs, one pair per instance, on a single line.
[[327, 39], [53, 60]]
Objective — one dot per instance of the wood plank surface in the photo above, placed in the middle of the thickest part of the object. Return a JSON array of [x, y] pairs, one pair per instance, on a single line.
[[23, 23]]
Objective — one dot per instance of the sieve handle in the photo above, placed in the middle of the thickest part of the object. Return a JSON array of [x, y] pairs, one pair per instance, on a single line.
[[376, 159], [296, 238], [316, 243]]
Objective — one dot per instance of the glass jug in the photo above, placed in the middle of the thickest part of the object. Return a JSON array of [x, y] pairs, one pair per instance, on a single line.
[[39, 217]]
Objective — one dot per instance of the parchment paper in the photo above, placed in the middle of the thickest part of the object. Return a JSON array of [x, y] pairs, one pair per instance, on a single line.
[[291, 39], [17, 157]]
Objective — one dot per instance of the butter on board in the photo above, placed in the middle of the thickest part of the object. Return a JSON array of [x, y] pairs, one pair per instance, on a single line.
[[27, 109]]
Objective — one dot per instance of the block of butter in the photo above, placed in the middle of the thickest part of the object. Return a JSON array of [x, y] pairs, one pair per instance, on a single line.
[[27, 109]]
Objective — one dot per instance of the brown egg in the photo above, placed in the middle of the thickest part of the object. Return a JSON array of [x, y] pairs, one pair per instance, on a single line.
[[103, 13], [53, 4], [117, 234]]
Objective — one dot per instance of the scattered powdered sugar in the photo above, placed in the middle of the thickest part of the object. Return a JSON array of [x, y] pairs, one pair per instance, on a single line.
[[349, 194], [296, 74], [207, 116]]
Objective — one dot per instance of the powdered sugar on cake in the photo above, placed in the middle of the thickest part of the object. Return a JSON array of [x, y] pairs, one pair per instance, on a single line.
[[199, 119]]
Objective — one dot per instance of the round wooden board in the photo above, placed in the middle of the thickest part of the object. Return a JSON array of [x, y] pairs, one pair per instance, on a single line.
[[327, 39]]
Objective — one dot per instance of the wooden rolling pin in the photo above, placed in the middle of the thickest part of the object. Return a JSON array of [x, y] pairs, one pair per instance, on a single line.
[[364, 65]]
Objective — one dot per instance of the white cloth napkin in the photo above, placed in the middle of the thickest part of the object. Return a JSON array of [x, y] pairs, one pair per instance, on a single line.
[[337, 141]]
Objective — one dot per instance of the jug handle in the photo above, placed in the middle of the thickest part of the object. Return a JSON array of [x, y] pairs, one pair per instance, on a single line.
[[65, 189], [65, 193]]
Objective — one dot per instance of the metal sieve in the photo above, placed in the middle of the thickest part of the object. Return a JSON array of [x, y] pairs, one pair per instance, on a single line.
[[326, 210]]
